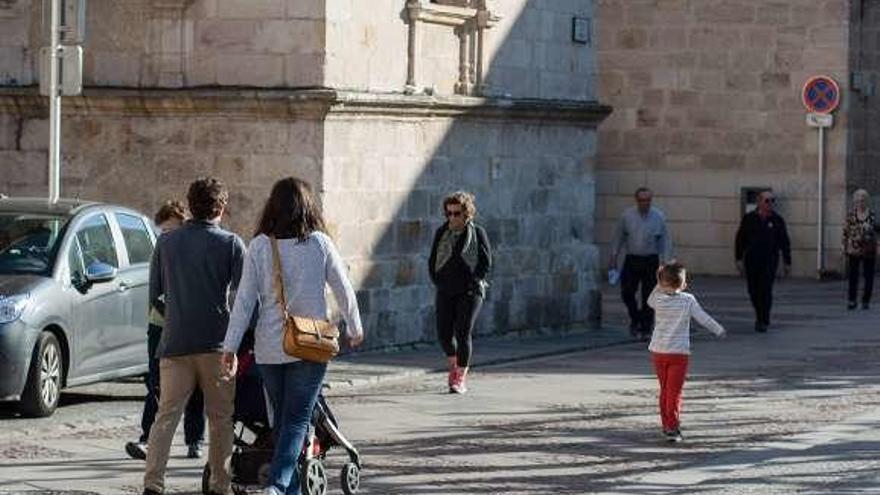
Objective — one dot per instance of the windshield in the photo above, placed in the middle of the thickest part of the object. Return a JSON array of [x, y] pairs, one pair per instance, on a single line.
[[28, 242]]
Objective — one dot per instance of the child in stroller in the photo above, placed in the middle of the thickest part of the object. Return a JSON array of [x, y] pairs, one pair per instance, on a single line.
[[253, 444]]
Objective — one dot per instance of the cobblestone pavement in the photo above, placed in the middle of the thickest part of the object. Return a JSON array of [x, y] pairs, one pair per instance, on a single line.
[[791, 411]]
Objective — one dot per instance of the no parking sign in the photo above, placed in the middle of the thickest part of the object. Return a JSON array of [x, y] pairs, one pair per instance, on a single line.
[[821, 94]]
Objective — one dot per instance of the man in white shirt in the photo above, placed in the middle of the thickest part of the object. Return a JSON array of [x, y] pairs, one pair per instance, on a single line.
[[642, 234]]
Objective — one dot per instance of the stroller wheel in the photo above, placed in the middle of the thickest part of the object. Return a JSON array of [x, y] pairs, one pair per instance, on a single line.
[[314, 477], [351, 478], [206, 480]]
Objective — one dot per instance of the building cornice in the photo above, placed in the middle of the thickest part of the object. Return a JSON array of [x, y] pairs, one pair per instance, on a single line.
[[297, 104]]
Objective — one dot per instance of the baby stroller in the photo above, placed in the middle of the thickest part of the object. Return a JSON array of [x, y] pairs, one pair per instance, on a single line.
[[253, 443]]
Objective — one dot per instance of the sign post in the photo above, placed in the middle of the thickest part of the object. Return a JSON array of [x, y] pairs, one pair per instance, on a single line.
[[821, 96], [61, 74]]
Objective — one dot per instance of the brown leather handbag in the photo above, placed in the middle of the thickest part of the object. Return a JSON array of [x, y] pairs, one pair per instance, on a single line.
[[304, 338]]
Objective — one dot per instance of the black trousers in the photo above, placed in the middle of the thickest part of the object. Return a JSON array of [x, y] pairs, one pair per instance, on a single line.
[[456, 316], [760, 277], [639, 271], [867, 264], [194, 415]]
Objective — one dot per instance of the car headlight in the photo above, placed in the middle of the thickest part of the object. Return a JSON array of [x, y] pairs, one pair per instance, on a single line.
[[11, 307]]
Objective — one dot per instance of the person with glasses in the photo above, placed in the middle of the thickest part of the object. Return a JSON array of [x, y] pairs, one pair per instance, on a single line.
[[759, 240], [459, 265], [641, 232], [860, 246]]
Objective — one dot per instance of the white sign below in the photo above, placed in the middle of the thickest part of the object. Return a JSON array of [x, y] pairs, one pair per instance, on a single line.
[[820, 119]]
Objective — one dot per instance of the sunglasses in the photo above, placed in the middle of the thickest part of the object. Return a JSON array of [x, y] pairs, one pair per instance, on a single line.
[[769, 200], [451, 214]]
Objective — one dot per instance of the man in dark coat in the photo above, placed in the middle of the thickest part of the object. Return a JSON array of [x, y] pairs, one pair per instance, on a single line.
[[760, 239]]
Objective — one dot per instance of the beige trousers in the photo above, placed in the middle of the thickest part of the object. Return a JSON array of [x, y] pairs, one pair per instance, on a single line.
[[178, 377]]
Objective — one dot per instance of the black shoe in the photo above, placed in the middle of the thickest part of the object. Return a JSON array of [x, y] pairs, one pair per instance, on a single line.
[[148, 491], [674, 436], [194, 451], [137, 450], [760, 327], [865, 305], [644, 336], [851, 305]]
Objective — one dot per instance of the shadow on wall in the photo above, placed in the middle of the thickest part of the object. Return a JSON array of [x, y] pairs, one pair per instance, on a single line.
[[532, 175]]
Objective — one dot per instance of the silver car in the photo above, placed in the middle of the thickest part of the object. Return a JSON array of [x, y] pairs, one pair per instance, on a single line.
[[73, 297]]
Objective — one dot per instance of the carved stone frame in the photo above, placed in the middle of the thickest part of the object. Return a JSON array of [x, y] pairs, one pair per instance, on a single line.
[[468, 23]]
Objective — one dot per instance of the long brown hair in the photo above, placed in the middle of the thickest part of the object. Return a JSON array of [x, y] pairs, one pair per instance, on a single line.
[[291, 211]]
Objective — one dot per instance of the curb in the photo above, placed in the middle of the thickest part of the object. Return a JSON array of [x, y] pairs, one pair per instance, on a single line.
[[353, 384]]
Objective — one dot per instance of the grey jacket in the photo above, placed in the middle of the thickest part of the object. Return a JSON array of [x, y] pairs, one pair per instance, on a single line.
[[197, 268]]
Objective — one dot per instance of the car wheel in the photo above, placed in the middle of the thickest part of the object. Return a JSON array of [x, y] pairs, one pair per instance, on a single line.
[[43, 388]]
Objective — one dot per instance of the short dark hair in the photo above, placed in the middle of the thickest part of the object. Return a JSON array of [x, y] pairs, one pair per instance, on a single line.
[[672, 274], [291, 211], [173, 208], [641, 190], [207, 197], [465, 200]]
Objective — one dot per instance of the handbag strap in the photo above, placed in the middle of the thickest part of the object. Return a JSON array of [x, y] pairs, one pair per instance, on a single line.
[[280, 295]]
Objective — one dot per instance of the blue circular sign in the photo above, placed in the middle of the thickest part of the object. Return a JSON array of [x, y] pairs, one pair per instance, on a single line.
[[821, 94]]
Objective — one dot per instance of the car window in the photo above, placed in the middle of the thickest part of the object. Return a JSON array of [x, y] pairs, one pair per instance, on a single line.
[[137, 239], [96, 242], [74, 261], [28, 241]]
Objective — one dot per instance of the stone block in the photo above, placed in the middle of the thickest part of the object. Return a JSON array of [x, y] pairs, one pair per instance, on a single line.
[[251, 9], [724, 210], [723, 161], [149, 133], [15, 66], [771, 81], [307, 9], [774, 13], [709, 36], [668, 38], [226, 36], [286, 36], [304, 70], [13, 32], [726, 11], [631, 38]]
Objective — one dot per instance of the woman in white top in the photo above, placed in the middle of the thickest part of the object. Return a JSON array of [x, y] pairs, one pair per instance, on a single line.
[[309, 262]]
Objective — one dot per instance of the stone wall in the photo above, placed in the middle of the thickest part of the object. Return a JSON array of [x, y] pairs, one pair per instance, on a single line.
[[864, 105], [528, 54], [165, 103], [707, 100], [177, 43], [534, 187], [15, 47], [141, 156]]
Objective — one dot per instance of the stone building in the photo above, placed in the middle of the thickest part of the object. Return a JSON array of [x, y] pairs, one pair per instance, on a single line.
[[384, 105], [707, 101]]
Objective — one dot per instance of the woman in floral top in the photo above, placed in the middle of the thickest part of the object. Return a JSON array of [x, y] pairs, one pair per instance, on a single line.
[[860, 246]]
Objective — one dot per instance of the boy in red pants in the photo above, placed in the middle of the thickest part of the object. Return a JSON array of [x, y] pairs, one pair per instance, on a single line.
[[671, 342]]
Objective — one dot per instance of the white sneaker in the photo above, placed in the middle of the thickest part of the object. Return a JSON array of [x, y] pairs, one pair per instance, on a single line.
[[271, 490]]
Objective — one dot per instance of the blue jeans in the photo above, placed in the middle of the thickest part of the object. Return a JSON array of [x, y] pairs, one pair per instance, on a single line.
[[293, 390]]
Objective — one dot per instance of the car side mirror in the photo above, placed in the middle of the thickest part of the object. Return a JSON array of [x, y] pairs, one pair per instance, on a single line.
[[98, 272]]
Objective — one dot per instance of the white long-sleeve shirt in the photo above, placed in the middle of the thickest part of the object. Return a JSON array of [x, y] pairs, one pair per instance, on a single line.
[[307, 266], [672, 321]]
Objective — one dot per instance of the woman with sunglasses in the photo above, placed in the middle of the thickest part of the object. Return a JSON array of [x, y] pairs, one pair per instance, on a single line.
[[460, 260]]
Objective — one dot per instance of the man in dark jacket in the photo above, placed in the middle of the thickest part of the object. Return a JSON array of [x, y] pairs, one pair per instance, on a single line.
[[761, 237], [197, 268]]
